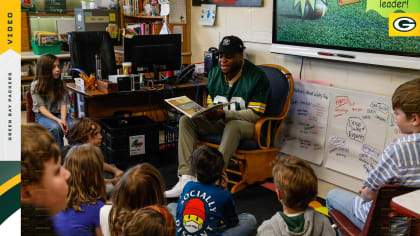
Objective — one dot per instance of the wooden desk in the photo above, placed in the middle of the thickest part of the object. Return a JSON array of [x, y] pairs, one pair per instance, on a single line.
[[98, 104], [407, 204]]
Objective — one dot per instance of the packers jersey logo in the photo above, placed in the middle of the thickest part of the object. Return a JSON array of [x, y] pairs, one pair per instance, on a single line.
[[233, 100]]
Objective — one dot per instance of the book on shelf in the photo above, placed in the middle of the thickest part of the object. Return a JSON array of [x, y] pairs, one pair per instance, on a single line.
[[190, 108]]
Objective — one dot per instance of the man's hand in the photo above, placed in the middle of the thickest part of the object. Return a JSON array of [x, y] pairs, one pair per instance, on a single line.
[[366, 193], [214, 115]]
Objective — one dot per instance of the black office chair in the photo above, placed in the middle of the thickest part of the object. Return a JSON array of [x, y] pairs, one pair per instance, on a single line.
[[84, 46]]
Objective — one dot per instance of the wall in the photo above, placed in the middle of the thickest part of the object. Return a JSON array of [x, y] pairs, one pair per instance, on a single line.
[[254, 26]]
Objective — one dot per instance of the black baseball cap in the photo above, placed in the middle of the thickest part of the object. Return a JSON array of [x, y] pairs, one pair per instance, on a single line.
[[231, 45]]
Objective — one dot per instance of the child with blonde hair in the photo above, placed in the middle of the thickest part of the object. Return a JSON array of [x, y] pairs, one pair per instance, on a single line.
[[86, 194], [86, 130], [296, 186], [151, 221], [142, 185]]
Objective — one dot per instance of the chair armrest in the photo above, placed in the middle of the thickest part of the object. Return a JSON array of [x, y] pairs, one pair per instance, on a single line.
[[257, 130], [344, 225]]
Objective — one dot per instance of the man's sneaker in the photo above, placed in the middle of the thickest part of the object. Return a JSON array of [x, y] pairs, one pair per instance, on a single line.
[[177, 189]]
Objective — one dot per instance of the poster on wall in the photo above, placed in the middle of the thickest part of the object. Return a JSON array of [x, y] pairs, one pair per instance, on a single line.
[[303, 134], [229, 3], [357, 131]]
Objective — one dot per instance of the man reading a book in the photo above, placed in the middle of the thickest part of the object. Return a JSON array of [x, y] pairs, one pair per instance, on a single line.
[[234, 80]]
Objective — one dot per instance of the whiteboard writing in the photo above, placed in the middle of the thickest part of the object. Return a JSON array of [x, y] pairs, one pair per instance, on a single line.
[[345, 130], [303, 133]]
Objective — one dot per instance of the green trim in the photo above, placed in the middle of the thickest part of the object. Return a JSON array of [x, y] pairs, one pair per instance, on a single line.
[[9, 202], [8, 170]]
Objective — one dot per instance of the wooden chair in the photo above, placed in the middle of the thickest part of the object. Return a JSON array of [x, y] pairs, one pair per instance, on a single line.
[[30, 115], [377, 222], [251, 161]]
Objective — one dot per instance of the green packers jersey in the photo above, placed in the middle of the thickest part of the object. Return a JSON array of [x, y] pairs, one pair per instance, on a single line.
[[249, 91]]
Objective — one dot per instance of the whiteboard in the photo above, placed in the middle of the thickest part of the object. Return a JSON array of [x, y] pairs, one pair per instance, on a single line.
[[303, 134], [344, 130]]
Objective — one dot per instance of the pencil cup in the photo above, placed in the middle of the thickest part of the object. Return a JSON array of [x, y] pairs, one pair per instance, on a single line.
[[126, 68]]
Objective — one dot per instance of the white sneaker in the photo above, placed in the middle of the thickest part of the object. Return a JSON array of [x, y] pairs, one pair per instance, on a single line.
[[177, 189]]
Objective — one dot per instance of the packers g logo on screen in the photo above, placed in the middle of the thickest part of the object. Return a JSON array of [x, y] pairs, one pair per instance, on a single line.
[[404, 24]]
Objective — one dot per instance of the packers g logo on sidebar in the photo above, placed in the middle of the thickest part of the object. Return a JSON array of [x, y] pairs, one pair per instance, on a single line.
[[404, 24]]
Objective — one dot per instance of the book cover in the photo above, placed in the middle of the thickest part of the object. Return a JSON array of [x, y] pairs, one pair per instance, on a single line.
[[190, 108]]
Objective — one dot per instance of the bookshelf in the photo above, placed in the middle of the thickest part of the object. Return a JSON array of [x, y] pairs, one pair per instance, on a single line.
[[158, 20]]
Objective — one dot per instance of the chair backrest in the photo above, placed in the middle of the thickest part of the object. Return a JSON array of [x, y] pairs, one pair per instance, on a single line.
[[377, 221], [30, 115], [84, 46], [282, 87]]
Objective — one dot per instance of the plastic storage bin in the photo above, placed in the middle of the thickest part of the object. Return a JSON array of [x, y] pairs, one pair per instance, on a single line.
[[129, 141], [51, 49]]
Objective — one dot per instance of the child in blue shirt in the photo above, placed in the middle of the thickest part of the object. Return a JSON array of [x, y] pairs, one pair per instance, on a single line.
[[86, 192], [398, 164], [204, 208]]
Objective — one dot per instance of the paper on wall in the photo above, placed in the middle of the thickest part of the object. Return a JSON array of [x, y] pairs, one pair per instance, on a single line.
[[208, 14], [178, 12], [164, 9]]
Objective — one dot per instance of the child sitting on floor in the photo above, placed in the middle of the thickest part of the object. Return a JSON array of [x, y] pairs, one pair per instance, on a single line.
[[204, 208], [86, 194], [296, 186], [151, 221], [44, 181], [85, 130], [142, 185]]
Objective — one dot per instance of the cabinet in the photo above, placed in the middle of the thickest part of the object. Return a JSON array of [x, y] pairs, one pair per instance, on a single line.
[[186, 28]]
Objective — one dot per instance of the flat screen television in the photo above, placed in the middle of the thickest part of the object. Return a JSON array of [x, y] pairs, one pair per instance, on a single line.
[[346, 30], [153, 53]]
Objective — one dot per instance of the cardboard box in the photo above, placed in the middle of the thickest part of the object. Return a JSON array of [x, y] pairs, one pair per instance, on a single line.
[[106, 86]]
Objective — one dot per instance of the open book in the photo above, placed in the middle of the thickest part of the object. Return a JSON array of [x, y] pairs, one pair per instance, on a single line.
[[190, 108]]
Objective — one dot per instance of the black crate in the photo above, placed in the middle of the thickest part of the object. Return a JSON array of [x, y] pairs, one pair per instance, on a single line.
[[128, 141]]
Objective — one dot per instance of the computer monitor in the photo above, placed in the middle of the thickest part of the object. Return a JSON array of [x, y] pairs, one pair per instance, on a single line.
[[153, 53]]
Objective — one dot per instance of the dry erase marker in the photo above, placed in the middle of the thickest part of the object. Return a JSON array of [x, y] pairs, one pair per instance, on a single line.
[[325, 54], [345, 55]]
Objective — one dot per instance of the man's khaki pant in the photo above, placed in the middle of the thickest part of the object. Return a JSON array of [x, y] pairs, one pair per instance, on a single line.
[[189, 129]]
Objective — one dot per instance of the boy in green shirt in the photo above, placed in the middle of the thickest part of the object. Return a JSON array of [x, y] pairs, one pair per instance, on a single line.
[[296, 186]]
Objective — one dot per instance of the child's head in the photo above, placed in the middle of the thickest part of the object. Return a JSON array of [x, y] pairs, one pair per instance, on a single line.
[[44, 180], [85, 163], [406, 105], [295, 181], [207, 164], [48, 66], [150, 221], [142, 185], [85, 130], [48, 75]]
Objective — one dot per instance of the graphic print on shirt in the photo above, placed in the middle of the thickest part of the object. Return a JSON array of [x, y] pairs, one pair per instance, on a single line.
[[194, 215], [194, 219]]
